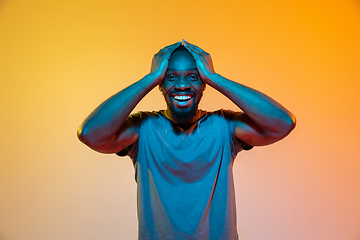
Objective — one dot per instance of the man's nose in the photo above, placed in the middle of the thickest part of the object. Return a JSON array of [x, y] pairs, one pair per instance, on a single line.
[[182, 84]]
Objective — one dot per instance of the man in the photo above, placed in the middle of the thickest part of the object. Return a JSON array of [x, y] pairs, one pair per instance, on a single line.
[[183, 156]]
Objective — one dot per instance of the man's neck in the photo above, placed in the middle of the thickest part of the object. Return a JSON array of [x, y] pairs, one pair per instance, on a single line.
[[184, 121]]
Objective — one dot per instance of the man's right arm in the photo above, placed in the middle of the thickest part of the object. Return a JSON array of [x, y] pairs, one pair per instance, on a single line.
[[107, 129]]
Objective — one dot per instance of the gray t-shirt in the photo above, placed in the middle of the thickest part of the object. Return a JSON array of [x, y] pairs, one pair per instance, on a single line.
[[185, 185]]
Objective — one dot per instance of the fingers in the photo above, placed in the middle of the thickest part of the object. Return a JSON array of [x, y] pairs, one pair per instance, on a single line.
[[168, 50], [171, 47], [193, 51], [160, 59], [200, 55], [193, 47], [175, 44]]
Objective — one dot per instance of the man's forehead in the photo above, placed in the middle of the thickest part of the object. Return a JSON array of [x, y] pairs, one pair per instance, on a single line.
[[184, 68], [181, 61]]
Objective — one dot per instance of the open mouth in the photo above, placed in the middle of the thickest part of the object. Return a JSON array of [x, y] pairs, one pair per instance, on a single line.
[[183, 100], [182, 97]]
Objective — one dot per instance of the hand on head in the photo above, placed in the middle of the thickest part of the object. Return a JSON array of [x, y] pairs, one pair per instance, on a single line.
[[203, 60], [160, 61]]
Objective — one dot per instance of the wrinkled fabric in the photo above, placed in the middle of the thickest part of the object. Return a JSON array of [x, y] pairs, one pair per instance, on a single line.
[[185, 187]]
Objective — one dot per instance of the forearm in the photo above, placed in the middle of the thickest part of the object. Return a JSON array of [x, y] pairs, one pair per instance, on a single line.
[[264, 111], [105, 121]]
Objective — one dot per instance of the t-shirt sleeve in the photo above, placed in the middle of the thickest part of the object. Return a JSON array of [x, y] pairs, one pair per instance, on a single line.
[[131, 150], [230, 117]]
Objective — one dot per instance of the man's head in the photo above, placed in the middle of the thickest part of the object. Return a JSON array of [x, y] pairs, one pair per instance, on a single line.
[[182, 86]]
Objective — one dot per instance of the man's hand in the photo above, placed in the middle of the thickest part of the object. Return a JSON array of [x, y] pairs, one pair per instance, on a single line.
[[203, 61], [160, 62]]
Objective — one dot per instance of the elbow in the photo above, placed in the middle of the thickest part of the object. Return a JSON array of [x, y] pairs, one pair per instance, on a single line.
[[284, 126], [91, 139], [85, 136], [81, 134], [289, 124]]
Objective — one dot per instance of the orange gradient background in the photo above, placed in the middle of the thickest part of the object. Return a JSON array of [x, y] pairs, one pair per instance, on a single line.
[[60, 59]]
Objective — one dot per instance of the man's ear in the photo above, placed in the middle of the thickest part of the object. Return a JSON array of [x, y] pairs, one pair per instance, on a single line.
[[160, 87]]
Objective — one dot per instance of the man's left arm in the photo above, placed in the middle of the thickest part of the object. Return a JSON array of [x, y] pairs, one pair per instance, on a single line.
[[264, 120]]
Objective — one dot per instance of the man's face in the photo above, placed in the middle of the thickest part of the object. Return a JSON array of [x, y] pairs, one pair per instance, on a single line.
[[182, 87]]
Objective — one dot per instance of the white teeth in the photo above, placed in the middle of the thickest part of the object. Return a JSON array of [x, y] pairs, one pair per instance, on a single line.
[[182, 97]]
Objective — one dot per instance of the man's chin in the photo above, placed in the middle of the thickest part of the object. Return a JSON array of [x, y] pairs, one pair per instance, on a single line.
[[183, 114]]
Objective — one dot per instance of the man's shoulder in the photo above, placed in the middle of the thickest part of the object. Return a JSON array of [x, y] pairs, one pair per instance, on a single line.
[[224, 113], [146, 114], [141, 117]]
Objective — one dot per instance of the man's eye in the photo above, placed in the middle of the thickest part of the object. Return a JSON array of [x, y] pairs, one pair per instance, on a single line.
[[171, 77], [193, 77]]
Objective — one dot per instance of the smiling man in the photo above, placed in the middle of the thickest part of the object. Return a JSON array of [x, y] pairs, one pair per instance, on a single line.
[[182, 87], [183, 156]]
